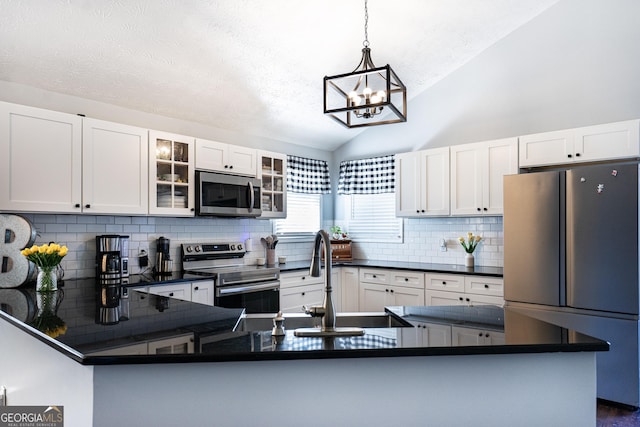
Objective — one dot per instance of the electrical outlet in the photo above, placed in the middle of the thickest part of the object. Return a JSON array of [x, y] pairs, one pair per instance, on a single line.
[[443, 245], [143, 259]]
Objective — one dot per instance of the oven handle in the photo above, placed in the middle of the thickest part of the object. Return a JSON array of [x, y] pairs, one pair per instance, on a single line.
[[235, 290], [224, 282], [251, 197]]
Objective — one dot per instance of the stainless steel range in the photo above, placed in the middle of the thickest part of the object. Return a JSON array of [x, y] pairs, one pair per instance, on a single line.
[[254, 288]]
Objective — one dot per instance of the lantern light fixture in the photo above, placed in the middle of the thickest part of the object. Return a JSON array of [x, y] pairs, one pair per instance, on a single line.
[[367, 96]]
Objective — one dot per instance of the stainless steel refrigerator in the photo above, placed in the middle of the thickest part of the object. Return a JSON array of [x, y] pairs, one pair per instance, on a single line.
[[571, 242]]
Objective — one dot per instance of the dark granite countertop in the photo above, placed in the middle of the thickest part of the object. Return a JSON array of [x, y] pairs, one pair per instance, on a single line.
[[402, 265], [211, 331]]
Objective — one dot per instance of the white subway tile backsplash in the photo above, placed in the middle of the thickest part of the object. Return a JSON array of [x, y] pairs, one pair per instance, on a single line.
[[421, 239]]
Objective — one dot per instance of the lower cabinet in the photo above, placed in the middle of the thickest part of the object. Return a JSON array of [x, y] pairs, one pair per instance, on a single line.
[[470, 336], [425, 334], [298, 289], [200, 291], [349, 285], [455, 289], [374, 297]]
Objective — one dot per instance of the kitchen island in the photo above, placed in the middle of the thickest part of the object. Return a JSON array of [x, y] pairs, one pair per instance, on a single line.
[[130, 373]]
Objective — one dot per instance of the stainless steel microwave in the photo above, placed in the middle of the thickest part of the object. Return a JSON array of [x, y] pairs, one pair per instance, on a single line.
[[219, 194]]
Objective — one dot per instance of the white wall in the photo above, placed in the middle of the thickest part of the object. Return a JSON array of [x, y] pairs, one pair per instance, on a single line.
[[576, 64]]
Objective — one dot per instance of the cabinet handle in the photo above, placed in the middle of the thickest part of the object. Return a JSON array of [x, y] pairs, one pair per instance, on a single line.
[[487, 335], [479, 209], [195, 289], [486, 286], [480, 334], [423, 211], [374, 276], [577, 154], [444, 283], [192, 209], [417, 210], [485, 209], [226, 166], [87, 206], [171, 294], [391, 291], [461, 299], [303, 277], [569, 156], [406, 279], [467, 299], [77, 205], [231, 167], [303, 294]]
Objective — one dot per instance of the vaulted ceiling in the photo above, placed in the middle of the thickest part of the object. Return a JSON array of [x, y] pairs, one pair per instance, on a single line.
[[252, 66]]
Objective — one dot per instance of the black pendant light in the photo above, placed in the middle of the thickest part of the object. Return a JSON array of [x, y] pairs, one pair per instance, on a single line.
[[367, 96]]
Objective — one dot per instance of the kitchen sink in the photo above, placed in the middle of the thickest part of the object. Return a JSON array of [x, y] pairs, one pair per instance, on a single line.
[[264, 321]]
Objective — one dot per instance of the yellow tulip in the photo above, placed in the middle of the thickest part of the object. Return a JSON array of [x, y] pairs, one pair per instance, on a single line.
[[478, 238], [63, 251], [43, 249]]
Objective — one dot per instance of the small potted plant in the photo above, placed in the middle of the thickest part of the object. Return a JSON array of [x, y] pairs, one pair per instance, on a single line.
[[336, 232]]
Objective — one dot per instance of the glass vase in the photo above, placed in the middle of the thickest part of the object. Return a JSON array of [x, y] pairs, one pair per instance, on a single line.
[[47, 280]]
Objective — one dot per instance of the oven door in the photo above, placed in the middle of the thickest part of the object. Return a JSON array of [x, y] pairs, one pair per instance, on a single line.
[[261, 297], [227, 195]]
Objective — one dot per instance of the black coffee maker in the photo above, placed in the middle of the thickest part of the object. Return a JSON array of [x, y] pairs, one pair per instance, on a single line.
[[164, 265]]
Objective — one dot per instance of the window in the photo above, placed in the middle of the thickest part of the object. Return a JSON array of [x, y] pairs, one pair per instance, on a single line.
[[304, 212], [372, 218]]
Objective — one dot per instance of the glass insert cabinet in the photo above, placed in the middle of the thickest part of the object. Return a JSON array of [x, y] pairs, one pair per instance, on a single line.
[[171, 179], [272, 170]]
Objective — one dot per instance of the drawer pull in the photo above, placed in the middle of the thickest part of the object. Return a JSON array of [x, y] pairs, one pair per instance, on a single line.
[[406, 279], [486, 286], [196, 288]]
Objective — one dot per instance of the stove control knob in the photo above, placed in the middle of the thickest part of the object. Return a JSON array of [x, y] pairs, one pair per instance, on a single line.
[[240, 247], [197, 248], [189, 249], [233, 247]]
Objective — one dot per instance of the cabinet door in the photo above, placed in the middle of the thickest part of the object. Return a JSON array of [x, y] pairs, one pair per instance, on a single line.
[[404, 296], [501, 160], [293, 298], [436, 298], [444, 282], [115, 168], [40, 160], [466, 336], [472, 299], [435, 334], [548, 148], [180, 291], [483, 285], [171, 174], [242, 160], [272, 171], [466, 179], [607, 141], [211, 155], [202, 292], [409, 188], [435, 181], [374, 297], [349, 285]]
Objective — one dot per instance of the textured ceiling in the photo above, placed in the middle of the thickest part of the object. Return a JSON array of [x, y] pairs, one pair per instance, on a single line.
[[254, 66]]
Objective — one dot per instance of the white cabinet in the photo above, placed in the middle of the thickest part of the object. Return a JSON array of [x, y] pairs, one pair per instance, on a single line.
[[591, 143], [379, 288], [40, 160], [477, 172], [298, 289], [200, 291], [272, 170], [349, 285], [457, 289], [422, 183], [426, 334], [114, 168], [461, 336], [171, 174], [225, 158]]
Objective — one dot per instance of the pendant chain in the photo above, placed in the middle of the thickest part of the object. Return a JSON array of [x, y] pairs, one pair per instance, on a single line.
[[366, 25]]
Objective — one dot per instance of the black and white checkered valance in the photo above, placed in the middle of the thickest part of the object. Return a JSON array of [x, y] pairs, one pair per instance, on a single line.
[[308, 176], [367, 176]]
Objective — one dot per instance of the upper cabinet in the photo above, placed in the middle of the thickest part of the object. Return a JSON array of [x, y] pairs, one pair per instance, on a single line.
[[272, 171], [57, 162], [592, 143], [225, 158], [422, 183], [477, 171], [171, 174], [41, 159], [114, 168]]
